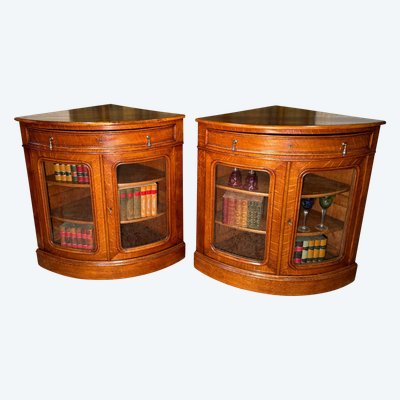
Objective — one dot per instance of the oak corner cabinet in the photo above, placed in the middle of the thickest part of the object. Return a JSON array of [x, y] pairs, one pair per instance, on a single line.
[[106, 189], [281, 196]]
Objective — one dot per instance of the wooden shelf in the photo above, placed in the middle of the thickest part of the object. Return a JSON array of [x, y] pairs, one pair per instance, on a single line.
[[136, 184], [263, 185], [318, 186], [314, 218], [132, 221], [78, 212], [52, 182], [132, 175], [261, 231]]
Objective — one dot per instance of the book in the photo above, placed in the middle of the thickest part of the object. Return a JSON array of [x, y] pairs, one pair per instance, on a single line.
[[243, 219], [62, 234], [79, 171], [62, 173], [74, 173], [89, 237], [68, 176], [122, 204], [237, 217], [225, 207], [154, 193], [57, 172], [254, 212], [298, 250], [143, 201], [129, 205], [136, 203], [310, 249], [85, 173], [148, 200]]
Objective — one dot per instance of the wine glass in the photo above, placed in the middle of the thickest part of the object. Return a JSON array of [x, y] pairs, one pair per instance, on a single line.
[[307, 204], [325, 202]]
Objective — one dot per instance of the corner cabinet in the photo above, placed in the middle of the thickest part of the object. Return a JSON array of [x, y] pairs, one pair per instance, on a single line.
[[106, 189], [281, 196]]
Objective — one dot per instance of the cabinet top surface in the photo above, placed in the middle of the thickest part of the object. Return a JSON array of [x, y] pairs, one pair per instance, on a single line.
[[280, 118], [100, 115]]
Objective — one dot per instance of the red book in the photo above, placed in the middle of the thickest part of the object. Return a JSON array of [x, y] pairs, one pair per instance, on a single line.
[[84, 237], [62, 235], [79, 171], [85, 174], [79, 237]]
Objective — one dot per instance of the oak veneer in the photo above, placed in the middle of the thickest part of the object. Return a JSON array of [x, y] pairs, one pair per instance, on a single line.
[[305, 154], [122, 148]]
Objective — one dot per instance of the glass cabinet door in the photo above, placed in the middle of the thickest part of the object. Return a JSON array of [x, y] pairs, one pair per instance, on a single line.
[[70, 205], [142, 192], [323, 216], [240, 211]]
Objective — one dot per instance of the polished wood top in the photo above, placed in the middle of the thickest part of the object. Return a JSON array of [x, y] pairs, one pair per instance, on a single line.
[[280, 118], [107, 114]]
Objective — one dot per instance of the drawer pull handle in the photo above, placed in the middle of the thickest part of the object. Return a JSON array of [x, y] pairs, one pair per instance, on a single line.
[[148, 141], [344, 149], [51, 139], [234, 143]]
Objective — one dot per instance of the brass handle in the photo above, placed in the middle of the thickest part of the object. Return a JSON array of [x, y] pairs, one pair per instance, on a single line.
[[109, 209], [51, 139], [234, 143], [148, 141], [344, 149]]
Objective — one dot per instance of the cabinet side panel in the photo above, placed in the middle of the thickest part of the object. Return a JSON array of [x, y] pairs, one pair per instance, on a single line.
[[200, 200]]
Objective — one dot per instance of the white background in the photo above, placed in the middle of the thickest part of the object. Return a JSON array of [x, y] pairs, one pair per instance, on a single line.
[[177, 334]]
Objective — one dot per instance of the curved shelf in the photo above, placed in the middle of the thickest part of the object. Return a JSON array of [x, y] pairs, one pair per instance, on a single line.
[[263, 186], [317, 186], [132, 221], [136, 184], [52, 182], [314, 218], [78, 212]]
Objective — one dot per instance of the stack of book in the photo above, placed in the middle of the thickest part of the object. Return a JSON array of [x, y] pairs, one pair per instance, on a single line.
[[138, 202], [73, 173], [242, 210], [77, 236], [310, 249]]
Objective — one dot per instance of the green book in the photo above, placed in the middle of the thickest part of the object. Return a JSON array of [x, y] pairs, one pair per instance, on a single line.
[[122, 204], [136, 203], [129, 205]]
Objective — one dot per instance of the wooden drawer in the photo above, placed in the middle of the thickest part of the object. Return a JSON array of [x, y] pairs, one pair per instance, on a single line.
[[141, 138], [339, 145]]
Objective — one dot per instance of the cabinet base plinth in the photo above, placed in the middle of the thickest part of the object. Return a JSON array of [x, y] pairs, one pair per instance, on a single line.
[[111, 269], [274, 284]]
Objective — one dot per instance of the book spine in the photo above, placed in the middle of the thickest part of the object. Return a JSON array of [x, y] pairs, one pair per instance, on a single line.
[[298, 250], [243, 217], [74, 243], [310, 255], [79, 236], [154, 193], [74, 174], [79, 171], [322, 248], [231, 210], [122, 204], [68, 237], [62, 235], [68, 176], [143, 201], [89, 237], [129, 206], [148, 201], [63, 173], [304, 253], [317, 246], [136, 202], [225, 209], [85, 173], [83, 237], [57, 172], [238, 212]]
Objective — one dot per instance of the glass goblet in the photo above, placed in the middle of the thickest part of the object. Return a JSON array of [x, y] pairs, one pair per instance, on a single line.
[[325, 202], [235, 178], [307, 204]]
